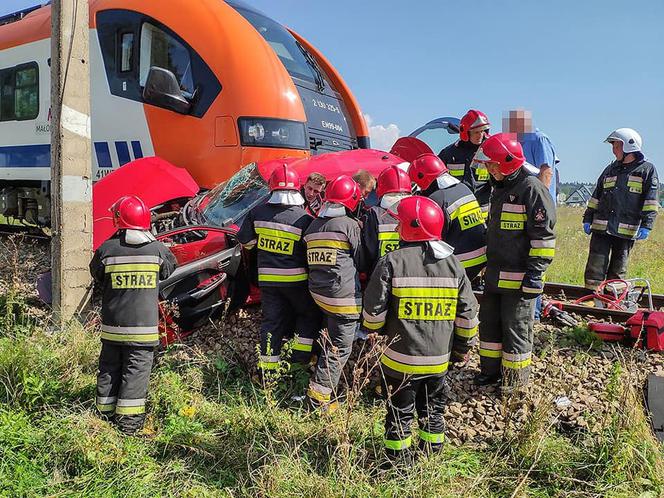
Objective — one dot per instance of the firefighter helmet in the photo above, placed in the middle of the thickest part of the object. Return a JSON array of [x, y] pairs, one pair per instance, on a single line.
[[345, 191], [420, 219], [130, 212], [393, 180], [425, 169], [504, 149], [473, 120], [284, 178], [630, 139]]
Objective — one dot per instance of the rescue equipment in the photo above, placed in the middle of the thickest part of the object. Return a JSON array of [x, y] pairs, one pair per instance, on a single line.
[[130, 212], [504, 149], [473, 120], [345, 191], [420, 219], [630, 139], [425, 169]]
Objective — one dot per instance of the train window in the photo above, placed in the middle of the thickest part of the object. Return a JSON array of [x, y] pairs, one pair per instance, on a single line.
[[19, 93], [126, 52], [160, 49]]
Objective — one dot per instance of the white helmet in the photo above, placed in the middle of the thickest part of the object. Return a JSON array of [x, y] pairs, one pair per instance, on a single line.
[[630, 139]]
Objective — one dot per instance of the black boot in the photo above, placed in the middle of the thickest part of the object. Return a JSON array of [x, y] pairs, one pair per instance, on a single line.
[[486, 380]]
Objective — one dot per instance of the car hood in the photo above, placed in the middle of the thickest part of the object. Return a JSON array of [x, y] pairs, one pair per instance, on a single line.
[[152, 179]]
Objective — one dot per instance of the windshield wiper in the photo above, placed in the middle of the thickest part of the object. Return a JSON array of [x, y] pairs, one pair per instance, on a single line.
[[313, 63]]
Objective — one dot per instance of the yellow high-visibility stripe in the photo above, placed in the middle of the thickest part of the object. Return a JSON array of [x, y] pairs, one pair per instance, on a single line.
[[132, 267], [264, 277], [465, 208], [388, 236], [130, 410], [542, 252], [106, 408], [491, 353], [450, 292], [414, 369], [509, 284], [130, 337], [635, 185], [627, 231], [330, 244], [282, 234], [315, 395], [373, 325], [649, 208], [467, 333], [431, 437], [505, 216], [398, 444], [341, 310], [469, 263], [298, 346], [516, 365]]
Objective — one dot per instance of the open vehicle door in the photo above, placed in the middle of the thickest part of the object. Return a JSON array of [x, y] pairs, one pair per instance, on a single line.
[[438, 133], [210, 272]]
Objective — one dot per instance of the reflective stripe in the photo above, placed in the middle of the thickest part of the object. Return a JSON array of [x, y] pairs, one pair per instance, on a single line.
[[130, 406], [373, 322], [490, 353], [650, 205], [471, 254], [325, 236], [268, 362], [278, 226], [303, 344], [610, 181], [413, 369], [513, 216], [130, 337], [456, 169], [392, 227], [112, 329], [342, 306], [330, 244], [445, 292], [106, 404], [511, 275], [543, 253], [465, 323], [491, 349], [131, 402], [105, 408], [468, 333], [415, 360], [425, 282], [516, 361], [280, 234], [514, 208], [469, 263], [319, 392], [465, 200], [117, 260], [593, 203], [431, 437], [388, 236], [373, 325], [398, 444], [509, 284], [599, 225], [132, 267], [543, 243], [275, 277], [282, 271], [532, 290]]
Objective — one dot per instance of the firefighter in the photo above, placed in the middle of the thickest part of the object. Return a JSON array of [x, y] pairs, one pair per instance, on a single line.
[[465, 229], [622, 209], [128, 268], [276, 229], [379, 228], [420, 297], [473, 130], [520, 246], [334, 255]]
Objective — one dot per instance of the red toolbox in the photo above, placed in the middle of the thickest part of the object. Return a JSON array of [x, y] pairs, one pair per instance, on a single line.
[[649, 326], [609, 332]]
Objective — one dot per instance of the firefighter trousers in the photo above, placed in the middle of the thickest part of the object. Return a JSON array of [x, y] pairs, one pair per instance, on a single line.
[[122, 383], [405, 397], [506, 336], [607, 259], [335, 350], [288, 311]]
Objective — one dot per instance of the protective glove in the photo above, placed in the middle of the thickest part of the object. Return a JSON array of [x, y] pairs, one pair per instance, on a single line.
[[643, 233], [586, 228]]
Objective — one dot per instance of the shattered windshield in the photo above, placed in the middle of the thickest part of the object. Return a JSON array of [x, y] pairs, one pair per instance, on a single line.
[[230, 201]]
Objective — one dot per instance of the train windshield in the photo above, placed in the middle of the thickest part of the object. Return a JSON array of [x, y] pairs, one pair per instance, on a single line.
[[290, 53], [230, 201]]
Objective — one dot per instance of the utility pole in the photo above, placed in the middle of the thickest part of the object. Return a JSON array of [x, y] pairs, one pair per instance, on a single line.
[[71, 157]]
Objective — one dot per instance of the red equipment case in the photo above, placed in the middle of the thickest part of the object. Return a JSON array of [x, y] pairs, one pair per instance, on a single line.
[[609, 332], [648, 325]]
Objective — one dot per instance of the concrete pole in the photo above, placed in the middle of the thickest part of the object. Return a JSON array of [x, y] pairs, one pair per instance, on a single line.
[[71, 158]]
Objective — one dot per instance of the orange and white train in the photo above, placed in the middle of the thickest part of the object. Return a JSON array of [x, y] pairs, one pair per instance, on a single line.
[[208, 85]]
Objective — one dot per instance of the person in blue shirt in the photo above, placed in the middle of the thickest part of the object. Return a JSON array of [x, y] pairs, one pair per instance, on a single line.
[[537, 147]]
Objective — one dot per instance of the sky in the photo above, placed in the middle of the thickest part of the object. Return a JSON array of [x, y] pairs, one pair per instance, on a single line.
[[584, 68]]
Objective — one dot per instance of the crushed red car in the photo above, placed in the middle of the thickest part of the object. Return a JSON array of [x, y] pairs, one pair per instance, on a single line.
[[200, 228]]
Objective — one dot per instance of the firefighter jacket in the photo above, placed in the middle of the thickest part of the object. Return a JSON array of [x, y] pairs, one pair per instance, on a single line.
[[425, 306], [276, 231], [334, 254], [379, 235], [129, 277], [458, 157], [464, 224], [520, 238], [625, 198]]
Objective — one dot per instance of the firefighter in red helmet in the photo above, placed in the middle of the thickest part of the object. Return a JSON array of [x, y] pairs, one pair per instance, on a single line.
[[128, 268], [276, 229], [379, 227], [420, 297], [465, 229], [520, 246], [334, 254], [473, 130]]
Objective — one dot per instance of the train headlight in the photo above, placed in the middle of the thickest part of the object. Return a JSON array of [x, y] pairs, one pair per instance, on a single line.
[[270, 132]]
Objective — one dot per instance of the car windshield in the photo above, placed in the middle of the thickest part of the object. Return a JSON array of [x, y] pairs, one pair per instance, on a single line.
[[437, 138], [230, 201]]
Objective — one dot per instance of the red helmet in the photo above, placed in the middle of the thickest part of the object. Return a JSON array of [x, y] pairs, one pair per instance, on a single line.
[[343, 190], [504, 149], [392, 180], [130, 212], [284, 178], [473, 120], [425, 169], [420, 219]]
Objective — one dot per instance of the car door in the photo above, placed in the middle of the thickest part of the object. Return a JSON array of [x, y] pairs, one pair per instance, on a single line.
[[438, 133]]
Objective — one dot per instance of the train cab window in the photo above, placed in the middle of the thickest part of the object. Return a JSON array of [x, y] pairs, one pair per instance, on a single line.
[[19, 93], [160, 49], [126, 52]]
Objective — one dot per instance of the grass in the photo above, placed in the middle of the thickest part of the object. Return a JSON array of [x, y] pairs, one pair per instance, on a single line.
[[646, 260]]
